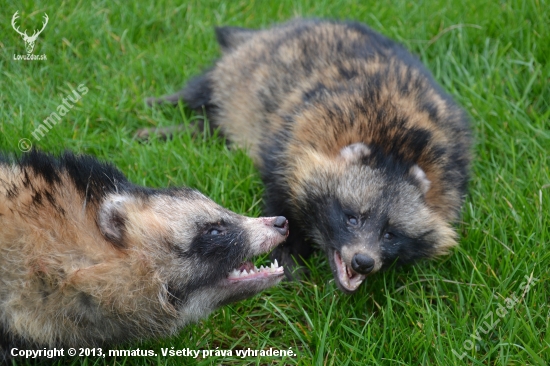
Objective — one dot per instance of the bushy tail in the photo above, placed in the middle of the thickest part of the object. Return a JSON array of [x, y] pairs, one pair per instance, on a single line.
[[197, 94]]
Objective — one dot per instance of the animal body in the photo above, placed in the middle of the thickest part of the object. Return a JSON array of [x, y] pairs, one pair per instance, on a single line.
[[89, 259], [357, 145]]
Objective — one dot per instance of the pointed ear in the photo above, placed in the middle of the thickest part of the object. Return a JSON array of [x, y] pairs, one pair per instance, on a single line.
[[418, 174], [354, 152], [231, 37], [112, 219]]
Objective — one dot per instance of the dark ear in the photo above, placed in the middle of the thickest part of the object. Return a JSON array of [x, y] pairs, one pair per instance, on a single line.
[[354, 152], [419, 175], [112, 219], [231, 37]]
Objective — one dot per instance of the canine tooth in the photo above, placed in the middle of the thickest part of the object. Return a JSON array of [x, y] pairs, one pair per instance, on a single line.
[[276, 264]]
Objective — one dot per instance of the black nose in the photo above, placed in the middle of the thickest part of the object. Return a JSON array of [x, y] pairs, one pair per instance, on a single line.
[[281, 225], [362, 263]]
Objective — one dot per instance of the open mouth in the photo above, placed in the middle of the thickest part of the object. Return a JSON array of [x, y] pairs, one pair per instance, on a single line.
[[247, 271], [347, 278]]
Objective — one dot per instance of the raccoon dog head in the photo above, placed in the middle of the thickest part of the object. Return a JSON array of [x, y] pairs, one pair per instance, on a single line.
[[199, 249], [368, 211]]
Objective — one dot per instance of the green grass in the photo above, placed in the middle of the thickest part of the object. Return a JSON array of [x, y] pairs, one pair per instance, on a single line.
[[491, 55]]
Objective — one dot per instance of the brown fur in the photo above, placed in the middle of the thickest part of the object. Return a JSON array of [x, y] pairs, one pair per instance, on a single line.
[[343, 123], [99, 260]]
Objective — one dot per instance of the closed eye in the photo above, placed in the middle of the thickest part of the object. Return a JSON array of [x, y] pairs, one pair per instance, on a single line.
[[387, 234]]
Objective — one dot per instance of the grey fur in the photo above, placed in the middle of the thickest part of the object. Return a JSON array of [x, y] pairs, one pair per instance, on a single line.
[[357, 144]]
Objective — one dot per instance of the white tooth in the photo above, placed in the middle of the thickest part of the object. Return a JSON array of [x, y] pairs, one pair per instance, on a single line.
[[276, 264], [262, 267], [272, 265], [245, 273]]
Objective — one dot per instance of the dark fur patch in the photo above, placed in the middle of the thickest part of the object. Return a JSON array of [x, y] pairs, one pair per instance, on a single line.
[[44, 165], [224, 248], [116, 234], [37, 199], [217, 255], [230, 37], [406, 250], [92, 178], [198, 93], [12, 192], [7, 342]]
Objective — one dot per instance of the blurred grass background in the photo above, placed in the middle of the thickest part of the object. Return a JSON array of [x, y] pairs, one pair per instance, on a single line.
[[491, 55]]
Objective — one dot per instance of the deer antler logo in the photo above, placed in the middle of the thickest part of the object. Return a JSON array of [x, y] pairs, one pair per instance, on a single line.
[[29, 41]]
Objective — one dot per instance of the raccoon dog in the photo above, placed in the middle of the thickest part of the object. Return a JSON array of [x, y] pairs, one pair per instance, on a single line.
[[88, 259], [357, 145]]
